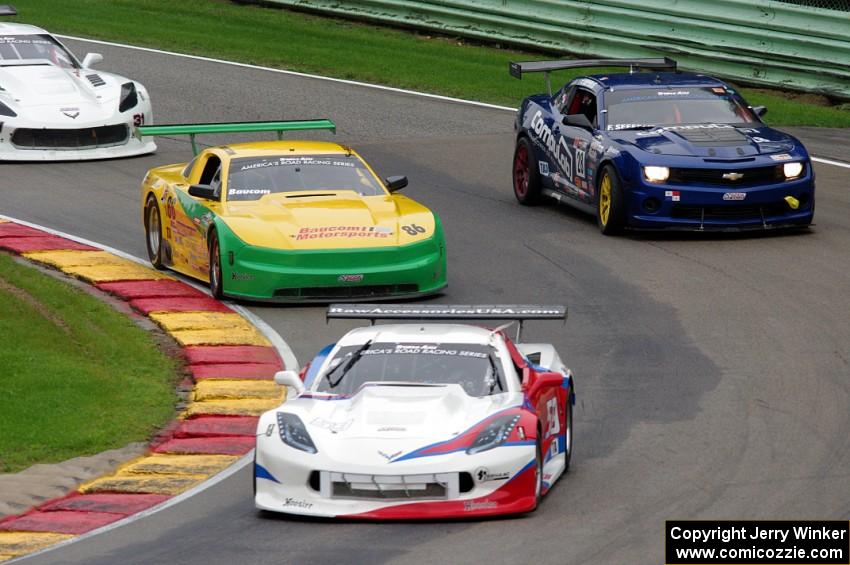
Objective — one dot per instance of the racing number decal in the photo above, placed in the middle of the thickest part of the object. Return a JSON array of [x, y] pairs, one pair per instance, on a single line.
[[169, 208], [413, 229], [552, 415], [138, 119]]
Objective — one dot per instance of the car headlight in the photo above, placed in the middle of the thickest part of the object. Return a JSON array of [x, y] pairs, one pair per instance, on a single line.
[[656, 174], [494, 435], [129, 97], [6, 111], [792, 170], [293, 432]]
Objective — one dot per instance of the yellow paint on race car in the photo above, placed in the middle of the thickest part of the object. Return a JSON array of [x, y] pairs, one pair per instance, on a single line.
[[231, 407], [13, 544], [163, 464], [219, 389], [327, 220], [153, 484]]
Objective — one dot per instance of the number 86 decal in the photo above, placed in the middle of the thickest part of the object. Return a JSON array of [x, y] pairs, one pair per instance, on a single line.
[[413, 229]]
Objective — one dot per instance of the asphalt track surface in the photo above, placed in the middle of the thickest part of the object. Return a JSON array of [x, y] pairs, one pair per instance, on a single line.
[[712, 371]]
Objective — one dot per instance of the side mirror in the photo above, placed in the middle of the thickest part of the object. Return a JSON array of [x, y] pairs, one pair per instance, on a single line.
[[204, 191], [289, 378], [578, 120], [760, 111], [544, 381], [395, 183], [91, 59]]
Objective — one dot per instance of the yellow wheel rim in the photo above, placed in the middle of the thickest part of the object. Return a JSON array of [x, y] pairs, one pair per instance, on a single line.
[[605, 200]]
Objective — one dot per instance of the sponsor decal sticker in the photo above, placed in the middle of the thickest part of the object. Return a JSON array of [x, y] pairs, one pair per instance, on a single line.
[[560, 151], [544, 168], [376, 232], [471, 505], [781, 157], [241, 191], [734, 195], [482, 475], [296, 503], [350, 278], [672, 195], [241, 276]]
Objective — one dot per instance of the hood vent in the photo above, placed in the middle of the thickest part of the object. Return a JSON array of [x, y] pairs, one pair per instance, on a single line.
[[719, 137], [95, 80]]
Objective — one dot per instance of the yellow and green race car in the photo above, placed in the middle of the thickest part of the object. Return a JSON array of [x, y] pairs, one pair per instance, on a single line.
[[288, 220]]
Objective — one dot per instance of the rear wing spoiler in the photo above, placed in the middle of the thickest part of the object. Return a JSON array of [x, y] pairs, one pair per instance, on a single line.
[[8, 10], [656, 64], [235, 127], [513, 312]]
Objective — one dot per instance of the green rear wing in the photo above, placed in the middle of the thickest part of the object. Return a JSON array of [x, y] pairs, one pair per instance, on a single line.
[[235, 127]]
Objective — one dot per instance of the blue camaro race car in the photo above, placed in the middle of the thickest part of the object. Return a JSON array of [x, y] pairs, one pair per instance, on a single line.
[[658, 149]]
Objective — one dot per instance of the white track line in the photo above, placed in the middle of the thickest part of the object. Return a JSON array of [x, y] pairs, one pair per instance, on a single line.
[[831, 162], [245, 460], [294, 73], [343, 81], [277, 341]]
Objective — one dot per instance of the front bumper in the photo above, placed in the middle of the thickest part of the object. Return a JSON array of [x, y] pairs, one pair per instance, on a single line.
[[705, 208], [257, 273], [20, 141], [295, 482]]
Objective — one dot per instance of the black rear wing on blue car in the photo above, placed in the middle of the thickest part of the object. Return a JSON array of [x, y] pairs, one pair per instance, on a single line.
[[634, 65]]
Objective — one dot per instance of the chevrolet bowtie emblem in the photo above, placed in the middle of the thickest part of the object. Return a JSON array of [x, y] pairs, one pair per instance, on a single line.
[[72, 115], [733, 176]]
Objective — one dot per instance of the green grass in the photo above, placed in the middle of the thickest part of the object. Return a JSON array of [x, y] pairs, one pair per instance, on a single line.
[[77, 377], [339, 48]]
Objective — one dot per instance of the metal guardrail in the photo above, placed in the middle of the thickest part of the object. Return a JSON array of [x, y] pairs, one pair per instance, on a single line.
[[776, 43]]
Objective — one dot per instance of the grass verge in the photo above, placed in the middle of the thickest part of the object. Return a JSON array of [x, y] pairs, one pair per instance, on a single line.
[[340, 48], [78, 377]]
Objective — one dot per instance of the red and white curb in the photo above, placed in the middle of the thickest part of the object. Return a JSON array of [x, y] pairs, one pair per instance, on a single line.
[[231, 356]]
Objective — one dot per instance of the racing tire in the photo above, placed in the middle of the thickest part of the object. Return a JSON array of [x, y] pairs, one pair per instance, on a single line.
[[526, 175], [153, 233], [216, 283], [610, 207], [568, 433], [538, 469]]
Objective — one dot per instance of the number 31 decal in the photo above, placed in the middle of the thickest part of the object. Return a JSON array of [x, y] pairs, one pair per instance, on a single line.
[[552, 412], [138, 119], [413, 229]]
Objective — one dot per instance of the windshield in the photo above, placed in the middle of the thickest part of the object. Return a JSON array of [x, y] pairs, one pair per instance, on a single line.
[[17, 47], [252, 178], [475, 367], [641, 108]]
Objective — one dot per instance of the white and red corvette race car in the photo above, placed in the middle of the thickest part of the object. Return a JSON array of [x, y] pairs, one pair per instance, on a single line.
[[419, 420], [55, 108]]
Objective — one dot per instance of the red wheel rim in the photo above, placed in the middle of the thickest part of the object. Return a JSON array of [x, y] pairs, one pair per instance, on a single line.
[[521, 171]]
